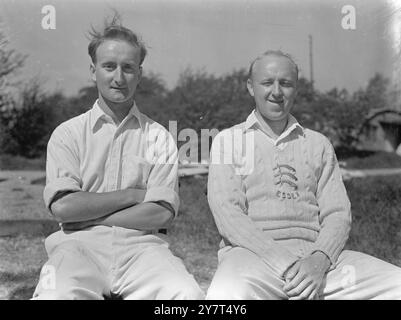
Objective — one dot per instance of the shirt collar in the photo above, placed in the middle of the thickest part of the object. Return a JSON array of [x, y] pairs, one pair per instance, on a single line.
[[98, 113], [292, 124]]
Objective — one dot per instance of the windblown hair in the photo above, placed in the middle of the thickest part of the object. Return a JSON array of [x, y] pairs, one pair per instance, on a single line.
[[114, 30], [277, 53]]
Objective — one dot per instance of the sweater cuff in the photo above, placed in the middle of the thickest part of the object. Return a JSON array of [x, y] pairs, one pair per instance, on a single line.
[[319, 250], [329, 249]]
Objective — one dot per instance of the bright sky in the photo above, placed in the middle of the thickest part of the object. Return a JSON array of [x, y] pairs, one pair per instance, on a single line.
[[216, 36]]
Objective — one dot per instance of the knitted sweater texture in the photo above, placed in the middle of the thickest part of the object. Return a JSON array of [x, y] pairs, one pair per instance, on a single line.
[[275, 192]]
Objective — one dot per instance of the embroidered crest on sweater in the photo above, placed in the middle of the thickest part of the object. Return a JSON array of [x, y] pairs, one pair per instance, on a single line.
[[285, 178]]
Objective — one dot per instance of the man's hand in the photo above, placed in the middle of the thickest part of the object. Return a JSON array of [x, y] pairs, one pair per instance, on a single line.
[[305, 277]]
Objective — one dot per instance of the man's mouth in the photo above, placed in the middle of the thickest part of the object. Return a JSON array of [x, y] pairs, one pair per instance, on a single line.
[[118, 88], [276, 101]]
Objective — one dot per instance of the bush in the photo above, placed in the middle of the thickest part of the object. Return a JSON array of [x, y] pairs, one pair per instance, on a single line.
[[27, 125]]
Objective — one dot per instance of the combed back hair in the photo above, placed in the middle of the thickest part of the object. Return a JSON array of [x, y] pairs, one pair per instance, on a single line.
[[114, 30], [277, 53]]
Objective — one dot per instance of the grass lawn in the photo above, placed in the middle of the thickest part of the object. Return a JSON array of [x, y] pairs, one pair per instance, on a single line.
[[357, 159], [194, 235], [376, 213], [10, 162], [376, 206]]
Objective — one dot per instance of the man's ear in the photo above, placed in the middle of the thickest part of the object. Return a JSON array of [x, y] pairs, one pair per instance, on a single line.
[[250, 87], [92, 70], [140, 74]]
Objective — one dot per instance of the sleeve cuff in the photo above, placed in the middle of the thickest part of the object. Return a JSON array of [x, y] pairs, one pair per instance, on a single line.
[[331, 255], [163, 194], [59, 185]]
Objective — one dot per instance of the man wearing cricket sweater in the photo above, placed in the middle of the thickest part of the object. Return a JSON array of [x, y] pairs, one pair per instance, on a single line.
[[282, 210]]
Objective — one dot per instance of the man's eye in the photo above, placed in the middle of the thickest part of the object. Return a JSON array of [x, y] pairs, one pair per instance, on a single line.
[[108, 66], [286, 84], [267, 83], [130, 69]]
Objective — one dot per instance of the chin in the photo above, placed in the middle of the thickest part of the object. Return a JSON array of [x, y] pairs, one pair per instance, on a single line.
[[118, 99], [275, 117]]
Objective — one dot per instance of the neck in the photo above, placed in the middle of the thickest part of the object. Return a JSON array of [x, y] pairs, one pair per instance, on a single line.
[[118, 111], [274, 128]]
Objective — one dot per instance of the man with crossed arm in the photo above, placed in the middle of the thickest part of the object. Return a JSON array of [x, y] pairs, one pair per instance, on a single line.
[[112, 183], [283, 212]]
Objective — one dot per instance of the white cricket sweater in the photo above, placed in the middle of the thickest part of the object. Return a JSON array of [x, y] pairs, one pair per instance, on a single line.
[[283, 191]]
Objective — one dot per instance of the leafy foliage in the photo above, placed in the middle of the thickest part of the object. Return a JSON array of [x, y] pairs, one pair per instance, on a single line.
[[10, 60], [336, 113], [199, 101], [28, 123]]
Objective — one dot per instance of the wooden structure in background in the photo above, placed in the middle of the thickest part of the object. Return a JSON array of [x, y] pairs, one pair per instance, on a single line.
[[381, 131]]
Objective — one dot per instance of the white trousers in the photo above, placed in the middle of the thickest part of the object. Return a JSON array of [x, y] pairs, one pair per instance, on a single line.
[[102, 261], [356, 276]]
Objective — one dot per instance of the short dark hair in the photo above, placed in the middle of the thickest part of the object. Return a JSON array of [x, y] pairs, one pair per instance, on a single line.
[[277, 53], [114, 30]]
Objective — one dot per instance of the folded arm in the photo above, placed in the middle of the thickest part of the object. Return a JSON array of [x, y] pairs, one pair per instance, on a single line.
[[144, 216], [83, 206], [148, 209]]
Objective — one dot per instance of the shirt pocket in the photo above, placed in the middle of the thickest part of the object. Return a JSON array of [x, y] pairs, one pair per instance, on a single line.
[[135, 172]]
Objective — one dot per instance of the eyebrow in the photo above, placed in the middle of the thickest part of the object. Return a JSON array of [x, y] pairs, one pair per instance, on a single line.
[[124, 63], [279, 79]]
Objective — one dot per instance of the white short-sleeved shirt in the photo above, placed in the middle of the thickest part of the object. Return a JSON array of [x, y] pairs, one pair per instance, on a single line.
[[91, 153]]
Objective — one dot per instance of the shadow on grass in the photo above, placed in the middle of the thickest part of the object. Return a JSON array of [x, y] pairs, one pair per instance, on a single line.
[[41, 181], [12, 162], [344, 153], [26, 283], [22, 292], [10, 276], [33, 227], [364, 159]]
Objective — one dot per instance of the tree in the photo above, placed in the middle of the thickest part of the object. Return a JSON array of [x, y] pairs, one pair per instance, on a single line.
[[375, 96], [29, 123], [10, 62], [303, 108], [305, 91], [151, 98], [336, 113], [201, 100]]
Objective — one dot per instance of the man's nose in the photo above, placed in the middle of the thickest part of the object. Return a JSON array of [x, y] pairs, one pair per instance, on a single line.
[[276, 91], [118, 75]]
